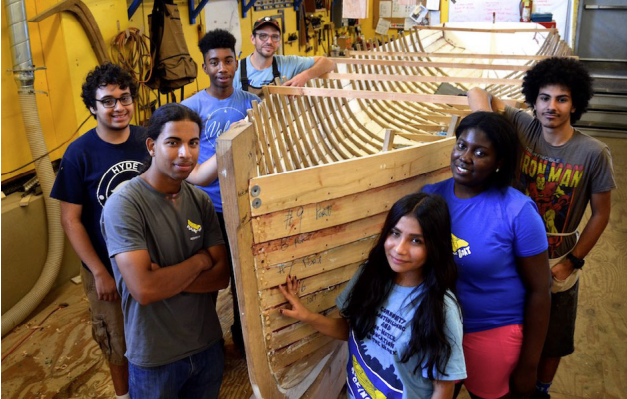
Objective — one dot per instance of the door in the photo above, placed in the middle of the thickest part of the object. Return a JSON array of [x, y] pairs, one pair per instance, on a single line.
[[601, 29]]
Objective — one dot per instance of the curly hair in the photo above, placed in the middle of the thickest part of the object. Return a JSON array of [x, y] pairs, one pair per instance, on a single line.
[[217, 38], [103, 75], [565, 72]]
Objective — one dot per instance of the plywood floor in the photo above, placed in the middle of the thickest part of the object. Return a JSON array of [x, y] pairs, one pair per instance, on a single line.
[[60, 360]]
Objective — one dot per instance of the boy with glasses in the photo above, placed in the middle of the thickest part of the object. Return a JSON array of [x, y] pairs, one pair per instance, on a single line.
[[94, 166], [263, 66]]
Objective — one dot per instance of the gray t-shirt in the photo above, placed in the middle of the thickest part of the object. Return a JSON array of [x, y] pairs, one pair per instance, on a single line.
[[171, 228], [561, 179]]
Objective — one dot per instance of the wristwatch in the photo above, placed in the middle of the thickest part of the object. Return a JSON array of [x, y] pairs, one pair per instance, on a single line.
[[577, 263]]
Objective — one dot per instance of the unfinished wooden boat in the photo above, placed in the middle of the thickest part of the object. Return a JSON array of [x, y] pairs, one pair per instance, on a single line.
[[307, 181]]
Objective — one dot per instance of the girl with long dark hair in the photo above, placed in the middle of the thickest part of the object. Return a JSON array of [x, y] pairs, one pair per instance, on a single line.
[[399, 314]]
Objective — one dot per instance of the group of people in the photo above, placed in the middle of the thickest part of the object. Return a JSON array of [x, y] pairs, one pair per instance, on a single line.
[[156, 254], [142, 209], [493, 308]]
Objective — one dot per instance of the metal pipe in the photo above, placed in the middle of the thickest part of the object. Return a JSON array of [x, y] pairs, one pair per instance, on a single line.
[[24, 74]]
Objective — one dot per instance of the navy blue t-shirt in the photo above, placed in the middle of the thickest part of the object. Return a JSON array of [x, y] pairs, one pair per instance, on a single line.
[[91, 170]]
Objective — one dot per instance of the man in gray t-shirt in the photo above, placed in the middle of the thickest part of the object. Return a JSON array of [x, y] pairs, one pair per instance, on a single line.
[[562, 170], [168, 255]]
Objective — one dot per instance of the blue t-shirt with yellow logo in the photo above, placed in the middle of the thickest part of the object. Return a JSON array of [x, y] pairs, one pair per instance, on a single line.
[[374, 368], [489, 232]]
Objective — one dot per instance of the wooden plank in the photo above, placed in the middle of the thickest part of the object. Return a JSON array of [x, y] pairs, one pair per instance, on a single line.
[[295, 332], [288, 375], [273, 297], [291, 354], [334, 375], [238, 143], [454, 29], [262, 125], [423, 137], [427, 64], [318, 184], [380, 77], [388, 141], [350, 53], [452, 126], [375, 95], [315, 263], [337, 211], [301, 245], [318, 302]]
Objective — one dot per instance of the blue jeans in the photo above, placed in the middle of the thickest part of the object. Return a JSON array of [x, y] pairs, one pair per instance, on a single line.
[[195, 377]]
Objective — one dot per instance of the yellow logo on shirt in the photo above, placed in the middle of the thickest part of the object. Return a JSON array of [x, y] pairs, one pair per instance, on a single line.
[[461, 247], [365, 382], [193, 226]]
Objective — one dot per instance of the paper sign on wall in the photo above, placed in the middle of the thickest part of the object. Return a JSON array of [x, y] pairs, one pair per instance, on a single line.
[[481, 11], [433, 5], [401, 10], [385, 9], [383, 26], [355, 9]]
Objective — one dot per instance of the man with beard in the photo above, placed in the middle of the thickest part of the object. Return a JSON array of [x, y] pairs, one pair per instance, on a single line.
[[263, 66], [579, 170], [219, 106]]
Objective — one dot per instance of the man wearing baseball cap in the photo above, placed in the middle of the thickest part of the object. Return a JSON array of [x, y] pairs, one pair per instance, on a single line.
[[263, 66]]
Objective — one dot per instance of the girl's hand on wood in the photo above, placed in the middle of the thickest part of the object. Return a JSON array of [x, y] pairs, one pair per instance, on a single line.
[[290, 292]]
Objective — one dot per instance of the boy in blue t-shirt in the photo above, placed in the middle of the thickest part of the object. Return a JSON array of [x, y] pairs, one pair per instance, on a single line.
[[94, 166], [219, 106]]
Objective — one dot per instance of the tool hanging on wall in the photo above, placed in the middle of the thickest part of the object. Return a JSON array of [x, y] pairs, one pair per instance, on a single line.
[[302, 28], [292, 37], [87, 21], [263, 5]]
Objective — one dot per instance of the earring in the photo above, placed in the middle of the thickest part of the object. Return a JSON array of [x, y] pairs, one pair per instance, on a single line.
[[497, 170]]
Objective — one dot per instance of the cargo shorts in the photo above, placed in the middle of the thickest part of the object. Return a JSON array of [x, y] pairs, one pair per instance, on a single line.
[[107, 322]]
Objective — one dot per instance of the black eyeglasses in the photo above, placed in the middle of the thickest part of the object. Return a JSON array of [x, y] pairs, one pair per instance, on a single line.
[[110, 102], [264, 36]]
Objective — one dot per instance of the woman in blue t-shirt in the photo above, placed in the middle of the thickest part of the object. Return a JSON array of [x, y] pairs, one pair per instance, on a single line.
[[400, 318], [500, 247]]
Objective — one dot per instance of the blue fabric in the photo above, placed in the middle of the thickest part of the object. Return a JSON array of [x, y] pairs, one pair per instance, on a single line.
[[374, 367], [217, 116], [91, 171], [489, 232], [195, 377], [289, 66]]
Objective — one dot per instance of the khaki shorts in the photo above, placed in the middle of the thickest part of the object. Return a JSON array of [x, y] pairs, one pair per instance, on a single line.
[[107, 322]]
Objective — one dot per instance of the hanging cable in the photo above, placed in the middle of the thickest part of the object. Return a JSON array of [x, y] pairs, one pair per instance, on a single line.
[[52, 150], [130, 49]]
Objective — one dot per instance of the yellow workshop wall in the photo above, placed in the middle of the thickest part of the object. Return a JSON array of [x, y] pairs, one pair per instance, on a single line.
[[60, 44]]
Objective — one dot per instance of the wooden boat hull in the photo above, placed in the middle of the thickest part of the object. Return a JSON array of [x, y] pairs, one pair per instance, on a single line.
[[307, 182]]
